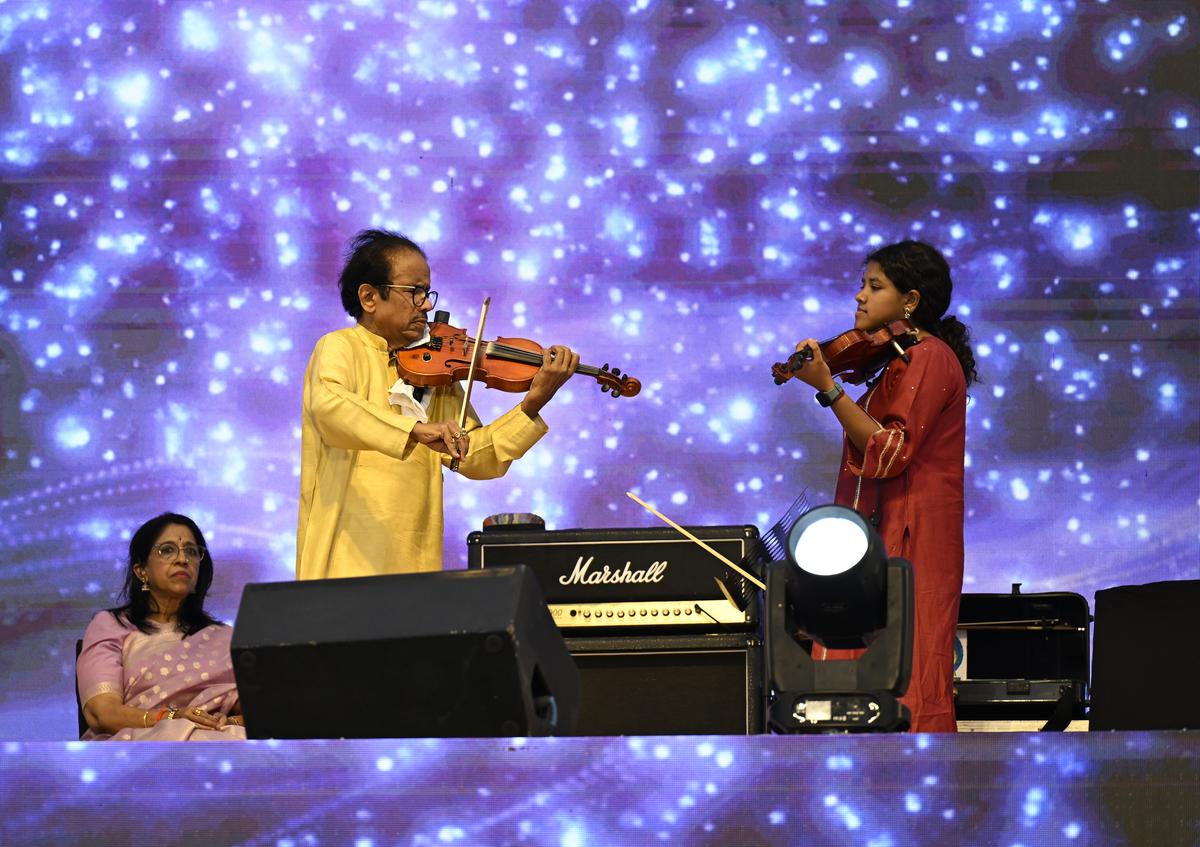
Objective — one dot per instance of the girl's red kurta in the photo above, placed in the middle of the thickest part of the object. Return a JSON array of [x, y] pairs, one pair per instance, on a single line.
[[912, 474]]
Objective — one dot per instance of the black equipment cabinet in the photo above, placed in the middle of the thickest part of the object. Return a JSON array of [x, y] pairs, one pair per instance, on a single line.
[[1026, 657], [1140, 676], [655, 684]]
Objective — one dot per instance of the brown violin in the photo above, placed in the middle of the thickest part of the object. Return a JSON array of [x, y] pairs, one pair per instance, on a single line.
[[508, 364], [856, 355]]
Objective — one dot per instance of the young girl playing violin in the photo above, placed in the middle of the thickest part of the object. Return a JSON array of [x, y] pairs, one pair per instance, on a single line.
[[902, 458]]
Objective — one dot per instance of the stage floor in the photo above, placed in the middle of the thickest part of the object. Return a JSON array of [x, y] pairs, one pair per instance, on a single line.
[[881, 791]]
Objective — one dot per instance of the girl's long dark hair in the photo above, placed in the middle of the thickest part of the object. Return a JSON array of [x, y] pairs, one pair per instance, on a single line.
[[916, 265], [136, 609]]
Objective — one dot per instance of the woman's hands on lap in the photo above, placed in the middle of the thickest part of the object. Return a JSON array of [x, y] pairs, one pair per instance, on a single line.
[[203, 718]]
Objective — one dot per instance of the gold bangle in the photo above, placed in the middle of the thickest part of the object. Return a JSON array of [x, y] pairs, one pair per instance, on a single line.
[[146, 719]]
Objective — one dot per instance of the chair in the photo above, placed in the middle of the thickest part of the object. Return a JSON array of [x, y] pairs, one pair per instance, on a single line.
[[83, 727]]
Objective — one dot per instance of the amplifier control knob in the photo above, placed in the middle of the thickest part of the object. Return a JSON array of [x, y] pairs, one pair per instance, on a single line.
[[620, 613], [610, 614], [687, 611], [643, 613], [654, 612], [677, 612], [586, 613]]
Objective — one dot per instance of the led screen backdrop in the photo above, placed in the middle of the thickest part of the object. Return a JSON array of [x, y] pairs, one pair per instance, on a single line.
[[681, 190], [1029, 789]]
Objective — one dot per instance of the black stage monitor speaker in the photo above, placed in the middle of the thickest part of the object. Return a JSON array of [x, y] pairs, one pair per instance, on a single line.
[[1141, 676], [460, 653]]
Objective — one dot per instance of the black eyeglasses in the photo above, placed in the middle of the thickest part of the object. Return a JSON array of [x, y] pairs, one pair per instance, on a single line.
[[169, 550], [419, 294]]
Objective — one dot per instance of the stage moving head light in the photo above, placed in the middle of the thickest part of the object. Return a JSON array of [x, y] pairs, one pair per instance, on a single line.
[[838, 585], [838, 589]]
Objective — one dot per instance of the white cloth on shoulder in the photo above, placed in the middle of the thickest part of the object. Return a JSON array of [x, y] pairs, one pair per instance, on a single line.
[[401, 395]]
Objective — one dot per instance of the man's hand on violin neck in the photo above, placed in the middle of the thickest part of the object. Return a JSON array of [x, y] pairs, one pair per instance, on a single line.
[[558, 363], [442, 436]]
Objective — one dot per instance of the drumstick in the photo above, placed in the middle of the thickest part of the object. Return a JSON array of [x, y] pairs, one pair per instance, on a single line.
[[691, 537]]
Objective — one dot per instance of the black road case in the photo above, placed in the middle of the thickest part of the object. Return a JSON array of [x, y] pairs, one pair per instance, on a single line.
[[1022, 657]]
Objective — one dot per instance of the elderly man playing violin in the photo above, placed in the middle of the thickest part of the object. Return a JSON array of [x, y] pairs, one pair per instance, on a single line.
[[373, 447]]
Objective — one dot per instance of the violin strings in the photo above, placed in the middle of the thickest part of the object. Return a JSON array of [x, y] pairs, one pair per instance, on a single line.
[[518, 354]]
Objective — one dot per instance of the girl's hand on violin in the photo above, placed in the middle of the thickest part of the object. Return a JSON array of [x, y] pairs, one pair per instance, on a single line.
[[816, 372], [442, 436], [558, 364]]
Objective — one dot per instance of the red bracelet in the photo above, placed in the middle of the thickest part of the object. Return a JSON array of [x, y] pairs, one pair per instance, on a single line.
[[160, 714]]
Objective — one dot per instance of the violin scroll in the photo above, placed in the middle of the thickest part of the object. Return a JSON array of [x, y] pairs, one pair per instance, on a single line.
[[783, 371], [612, 381]]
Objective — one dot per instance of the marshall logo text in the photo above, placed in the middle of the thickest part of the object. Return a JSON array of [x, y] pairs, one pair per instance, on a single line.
[[581, 575]]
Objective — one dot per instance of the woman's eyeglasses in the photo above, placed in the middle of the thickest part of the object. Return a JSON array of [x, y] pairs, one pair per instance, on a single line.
[[169, 550], [419, 294]]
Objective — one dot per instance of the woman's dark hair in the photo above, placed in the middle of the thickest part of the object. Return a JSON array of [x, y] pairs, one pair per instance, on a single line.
[[367, 260], [137, 608], [914, 265]]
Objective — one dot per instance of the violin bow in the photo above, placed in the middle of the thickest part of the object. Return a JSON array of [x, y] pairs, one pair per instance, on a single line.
[[745, 573], [462, 414]]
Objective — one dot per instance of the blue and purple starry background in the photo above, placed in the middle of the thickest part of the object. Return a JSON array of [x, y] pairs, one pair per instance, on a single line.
[[682, 190], [1010, 789]]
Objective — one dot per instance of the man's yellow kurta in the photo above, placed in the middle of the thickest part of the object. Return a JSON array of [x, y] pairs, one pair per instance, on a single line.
[[370, 496]]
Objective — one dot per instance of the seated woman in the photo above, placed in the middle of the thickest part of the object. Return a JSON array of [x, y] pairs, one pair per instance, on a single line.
[[158, 668]]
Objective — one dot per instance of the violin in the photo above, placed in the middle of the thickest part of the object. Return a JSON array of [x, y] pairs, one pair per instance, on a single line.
[[508, 364], [856, 355]]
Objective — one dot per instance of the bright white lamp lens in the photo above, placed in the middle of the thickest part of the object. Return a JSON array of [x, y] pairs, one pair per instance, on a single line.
[[830, 546]]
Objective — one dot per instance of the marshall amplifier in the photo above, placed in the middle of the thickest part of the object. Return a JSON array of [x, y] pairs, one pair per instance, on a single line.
[[597, 579]]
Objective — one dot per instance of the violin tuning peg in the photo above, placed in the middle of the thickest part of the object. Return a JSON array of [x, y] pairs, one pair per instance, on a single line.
[[605, 368], [616, 371]]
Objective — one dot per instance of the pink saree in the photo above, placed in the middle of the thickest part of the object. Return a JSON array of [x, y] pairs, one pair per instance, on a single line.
[[162, 670]]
